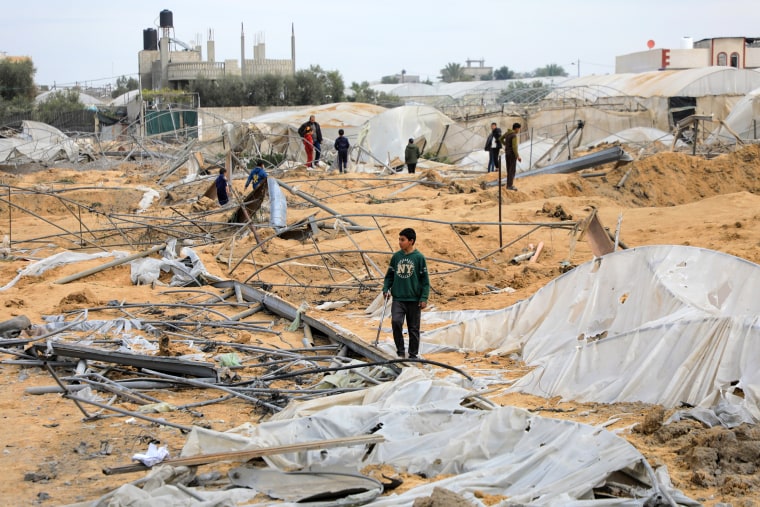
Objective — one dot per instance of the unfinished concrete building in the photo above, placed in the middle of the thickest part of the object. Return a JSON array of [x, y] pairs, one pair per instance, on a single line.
[[167, 62]]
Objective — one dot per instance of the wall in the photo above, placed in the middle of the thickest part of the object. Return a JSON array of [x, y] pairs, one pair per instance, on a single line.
[[753, 58], [145, 61], [689, 58], [728, 46], [643, 61]]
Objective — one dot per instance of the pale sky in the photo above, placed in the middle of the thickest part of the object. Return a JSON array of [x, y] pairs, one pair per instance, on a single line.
[[96, 42]]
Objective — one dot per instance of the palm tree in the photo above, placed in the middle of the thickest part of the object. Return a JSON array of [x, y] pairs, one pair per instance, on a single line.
[[453, 72]]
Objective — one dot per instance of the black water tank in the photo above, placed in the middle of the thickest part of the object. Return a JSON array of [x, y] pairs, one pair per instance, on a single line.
[[150, 39], [165, 19]]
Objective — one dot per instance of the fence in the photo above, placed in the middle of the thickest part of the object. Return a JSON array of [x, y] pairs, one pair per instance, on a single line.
[[66, 121]]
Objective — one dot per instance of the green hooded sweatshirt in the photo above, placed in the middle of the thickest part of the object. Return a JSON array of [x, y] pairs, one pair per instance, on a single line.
[[407, 277]]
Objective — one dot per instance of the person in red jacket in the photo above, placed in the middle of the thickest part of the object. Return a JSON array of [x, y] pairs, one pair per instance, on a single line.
[[308, 144]]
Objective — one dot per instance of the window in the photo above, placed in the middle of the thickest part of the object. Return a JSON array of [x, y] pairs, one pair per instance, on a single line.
[[722, 59], [735, 60]]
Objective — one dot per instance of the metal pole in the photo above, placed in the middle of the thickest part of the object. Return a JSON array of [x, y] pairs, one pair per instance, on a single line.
[[10, 219], [530, 157], [501, 237], [115, 262]]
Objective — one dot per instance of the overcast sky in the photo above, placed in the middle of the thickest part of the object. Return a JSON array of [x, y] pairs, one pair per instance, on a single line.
[[96, 42]]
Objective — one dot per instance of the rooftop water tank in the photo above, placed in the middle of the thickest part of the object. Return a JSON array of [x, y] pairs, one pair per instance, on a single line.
[[150, 39], [165, 19], [687, 43]]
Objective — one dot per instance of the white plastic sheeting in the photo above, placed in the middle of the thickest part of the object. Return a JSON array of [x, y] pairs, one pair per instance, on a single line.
[[642, 136], [507, 451], [743, 120], [387, 134], [38, 142], [704, 81], [658, 324], [56, 260], [383, 133], [485, 91], [87, 100], [147, 270], [278, 205], [149, 195]]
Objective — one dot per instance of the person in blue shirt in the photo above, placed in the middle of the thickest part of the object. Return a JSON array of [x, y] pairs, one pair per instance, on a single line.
[[342, 145], [221, 187], [256, 176]]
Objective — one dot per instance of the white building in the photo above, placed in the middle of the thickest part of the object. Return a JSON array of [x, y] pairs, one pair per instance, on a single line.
[[737, 52]]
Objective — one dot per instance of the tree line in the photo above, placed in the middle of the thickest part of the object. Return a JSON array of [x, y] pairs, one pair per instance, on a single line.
[[312, 86], [454, 72]]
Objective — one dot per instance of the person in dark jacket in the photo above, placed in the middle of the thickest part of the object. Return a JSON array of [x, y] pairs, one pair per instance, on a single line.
[[408, 282], [493, 147], [342, 145], [316, 134], [411, 156], [510, 140], [221, 187]]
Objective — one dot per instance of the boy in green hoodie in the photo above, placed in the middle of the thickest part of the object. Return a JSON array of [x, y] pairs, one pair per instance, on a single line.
[[408, 282]]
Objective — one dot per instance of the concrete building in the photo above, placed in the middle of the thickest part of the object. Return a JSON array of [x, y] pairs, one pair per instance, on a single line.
[[162, 64], [478, 72], [737, 52], [15, 59], [401, 77]]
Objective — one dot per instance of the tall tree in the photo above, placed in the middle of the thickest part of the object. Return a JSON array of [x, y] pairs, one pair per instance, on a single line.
[[336, 88], [550, 70], [124, 85], [503, 72], [363, 93], [17, 79], [58, 102], [266, 90]]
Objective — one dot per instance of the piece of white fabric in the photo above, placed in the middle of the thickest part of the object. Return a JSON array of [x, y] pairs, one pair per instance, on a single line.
[[658, 324]]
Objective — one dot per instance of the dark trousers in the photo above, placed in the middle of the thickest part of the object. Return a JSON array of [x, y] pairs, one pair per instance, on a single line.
[[317, 151], [412, 312], [511, 168], [342, 161], [411, 167], [494, 159]]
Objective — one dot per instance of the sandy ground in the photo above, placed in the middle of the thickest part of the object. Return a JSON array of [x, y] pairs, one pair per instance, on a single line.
[[52, 456]]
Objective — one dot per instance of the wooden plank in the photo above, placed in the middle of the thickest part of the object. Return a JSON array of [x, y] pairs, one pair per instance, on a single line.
[[242, 456], [598, 238]]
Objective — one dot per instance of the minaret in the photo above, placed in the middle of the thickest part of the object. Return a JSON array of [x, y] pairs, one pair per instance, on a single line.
[[211, 48], [293, 47], [242, 50]]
